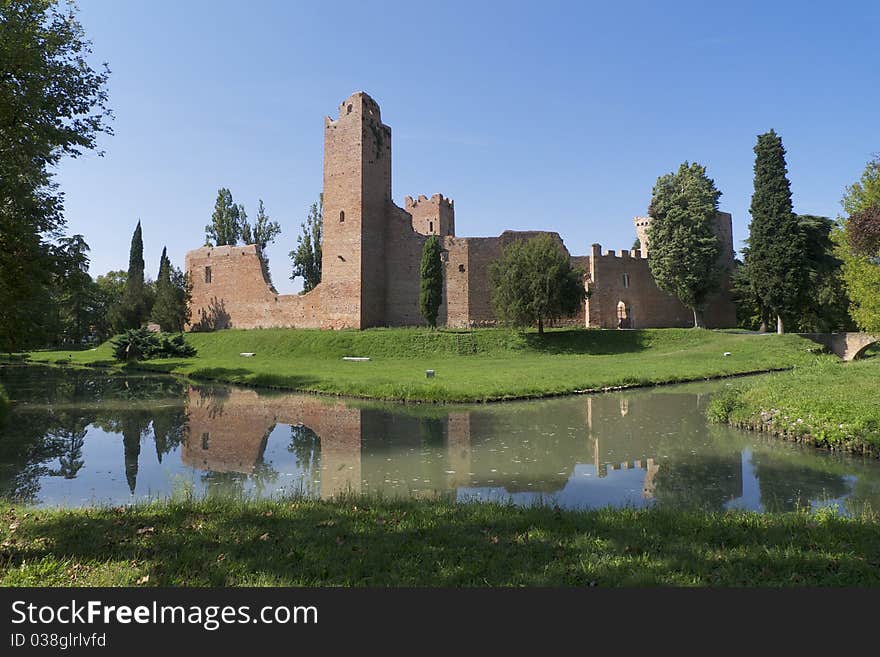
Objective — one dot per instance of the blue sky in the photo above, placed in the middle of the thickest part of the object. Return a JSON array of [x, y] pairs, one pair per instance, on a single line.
[[547, 115]]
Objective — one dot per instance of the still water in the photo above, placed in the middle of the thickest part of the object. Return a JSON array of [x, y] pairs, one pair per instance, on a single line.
[[75, 438]]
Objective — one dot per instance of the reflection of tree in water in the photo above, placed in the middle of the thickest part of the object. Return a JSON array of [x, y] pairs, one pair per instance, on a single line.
[[431, 430], [71, 460], [58, 406], [29, 441], [170, 429], [699, 481], [213, 398], [787, 484], [306, 448], [134, 427]]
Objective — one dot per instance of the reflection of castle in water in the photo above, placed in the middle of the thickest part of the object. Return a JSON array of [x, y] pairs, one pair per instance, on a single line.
[[359, 448]]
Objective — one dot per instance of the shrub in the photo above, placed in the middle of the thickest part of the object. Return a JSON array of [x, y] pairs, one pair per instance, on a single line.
[[143, 344], [723, 404]]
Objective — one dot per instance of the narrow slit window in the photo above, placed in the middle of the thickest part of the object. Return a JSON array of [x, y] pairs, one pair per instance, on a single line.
[[207, 274], [461, 268], [430, 226], [342, 216], [206, 438], [626, 280]]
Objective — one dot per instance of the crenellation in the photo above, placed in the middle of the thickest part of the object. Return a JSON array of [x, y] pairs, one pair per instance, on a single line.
[[372, 251]]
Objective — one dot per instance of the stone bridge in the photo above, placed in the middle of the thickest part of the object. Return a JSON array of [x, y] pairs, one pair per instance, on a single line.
[[848, 346]]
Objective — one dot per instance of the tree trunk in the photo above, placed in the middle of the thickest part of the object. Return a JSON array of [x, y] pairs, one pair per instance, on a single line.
[[540, 326], [780, 329], [698, 319], [765, 320]]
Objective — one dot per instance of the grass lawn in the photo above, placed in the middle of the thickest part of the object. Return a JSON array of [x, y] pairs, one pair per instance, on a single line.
[[373, 542], [830, 404], [479, 365]]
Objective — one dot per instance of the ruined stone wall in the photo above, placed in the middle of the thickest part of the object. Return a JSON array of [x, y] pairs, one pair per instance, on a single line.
[[403, 257], [230, 290]]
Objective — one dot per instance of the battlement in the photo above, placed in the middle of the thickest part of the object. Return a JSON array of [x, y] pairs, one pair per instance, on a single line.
[[596, 252], [360, 103], [436, 200], [225, 251], [431, 216]]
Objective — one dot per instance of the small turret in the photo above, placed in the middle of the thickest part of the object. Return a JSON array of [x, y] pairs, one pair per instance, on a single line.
[[432, 216]]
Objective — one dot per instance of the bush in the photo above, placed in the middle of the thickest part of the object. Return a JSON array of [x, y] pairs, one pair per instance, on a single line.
[[143, 344], [723, 404]]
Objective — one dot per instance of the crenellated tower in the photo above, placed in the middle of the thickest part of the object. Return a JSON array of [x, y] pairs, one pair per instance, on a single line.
[[432, 216], [357, 196]]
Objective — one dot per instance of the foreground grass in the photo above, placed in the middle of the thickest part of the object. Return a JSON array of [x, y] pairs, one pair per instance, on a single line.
[[371, 542], [479, 365], [831, 405]]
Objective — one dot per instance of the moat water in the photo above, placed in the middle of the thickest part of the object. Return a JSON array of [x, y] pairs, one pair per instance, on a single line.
[[76, 438]]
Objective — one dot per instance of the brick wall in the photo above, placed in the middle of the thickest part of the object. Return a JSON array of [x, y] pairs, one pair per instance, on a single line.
[[431, 216], [372, 252]]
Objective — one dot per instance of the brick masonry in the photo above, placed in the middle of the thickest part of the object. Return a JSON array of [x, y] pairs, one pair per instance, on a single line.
[[372, 251]]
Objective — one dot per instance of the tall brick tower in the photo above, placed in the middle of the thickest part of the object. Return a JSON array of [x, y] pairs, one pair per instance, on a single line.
[[357, 200]]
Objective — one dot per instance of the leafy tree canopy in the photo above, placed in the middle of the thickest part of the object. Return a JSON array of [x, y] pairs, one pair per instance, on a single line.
[[684, 249], [53, 104], [533, 282], [307, 256]]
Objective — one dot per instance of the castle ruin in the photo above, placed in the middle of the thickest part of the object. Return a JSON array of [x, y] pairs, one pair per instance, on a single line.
[[372, 250]]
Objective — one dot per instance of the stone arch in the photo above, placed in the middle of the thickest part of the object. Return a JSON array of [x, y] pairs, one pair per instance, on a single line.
[[870, 341], [624, 315]]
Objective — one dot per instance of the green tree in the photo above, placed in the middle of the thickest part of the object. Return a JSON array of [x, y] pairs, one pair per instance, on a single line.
[[307, 256], [533, 282], [76, 291], [825, 307], [53, 104], [431, 281], [860, 247], [173, 292], [225, 228], [109, 290], [263, 233], [135, 306], [684, 250], [777, 251]]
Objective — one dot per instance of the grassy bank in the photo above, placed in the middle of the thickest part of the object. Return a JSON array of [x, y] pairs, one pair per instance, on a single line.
[[480, 365], [411, 543], [830, 405]]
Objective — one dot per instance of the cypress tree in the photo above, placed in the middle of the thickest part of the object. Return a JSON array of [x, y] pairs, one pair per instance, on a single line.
[[164, 306], [133, 310], [777, 251], [683, 246], [431, 283]]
